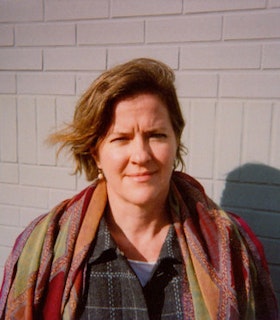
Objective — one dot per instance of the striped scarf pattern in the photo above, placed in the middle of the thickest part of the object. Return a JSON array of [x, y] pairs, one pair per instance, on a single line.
[[226, 275]]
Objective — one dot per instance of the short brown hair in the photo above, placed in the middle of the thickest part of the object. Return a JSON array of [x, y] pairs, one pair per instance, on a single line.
[[94, 111]]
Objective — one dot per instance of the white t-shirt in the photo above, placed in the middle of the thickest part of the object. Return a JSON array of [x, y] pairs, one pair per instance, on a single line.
[[143, 270]]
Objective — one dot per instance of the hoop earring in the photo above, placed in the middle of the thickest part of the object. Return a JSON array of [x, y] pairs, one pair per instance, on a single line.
[[100, 175]]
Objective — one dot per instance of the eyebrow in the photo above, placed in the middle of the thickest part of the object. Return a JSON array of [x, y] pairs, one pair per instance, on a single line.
[[157, 129], [119, 132]]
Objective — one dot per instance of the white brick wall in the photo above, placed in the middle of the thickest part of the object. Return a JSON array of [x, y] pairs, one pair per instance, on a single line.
[[20, 59], [47, 34], [226, 56], [194, 28]]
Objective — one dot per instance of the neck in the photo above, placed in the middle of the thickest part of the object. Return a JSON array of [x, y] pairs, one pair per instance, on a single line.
[[137, 218], [138, 231]]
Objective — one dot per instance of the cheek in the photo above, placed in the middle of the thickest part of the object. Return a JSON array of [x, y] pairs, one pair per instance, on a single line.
[[111, 159], [166, 155]]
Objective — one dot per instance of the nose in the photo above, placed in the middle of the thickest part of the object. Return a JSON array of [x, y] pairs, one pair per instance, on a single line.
[[141, 151]]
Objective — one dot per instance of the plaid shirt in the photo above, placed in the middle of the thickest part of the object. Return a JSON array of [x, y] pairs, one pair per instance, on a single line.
[[114, 291]]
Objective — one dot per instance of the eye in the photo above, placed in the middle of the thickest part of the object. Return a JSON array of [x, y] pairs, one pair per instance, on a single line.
[[119, 139], [158, 135]]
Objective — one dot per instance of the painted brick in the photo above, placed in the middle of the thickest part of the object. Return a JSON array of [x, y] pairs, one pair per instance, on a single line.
[[263, 223], [221, 57], [186, 111], [64, 113], [256, 172], [111, 32], [256, 136], [251, 196], [183, 29], [29, 214], [6, 35], [46, 83], [73, 10], [274, 3], [8, 129], [82, 182], [1, 270], [275, 275], [277, 294], [7, 83], [20, 59], [168, 55], [45, 34], [9, 216], [8, 234], [231, 35], [196, 85], [229, 133], [65, 160], [202, 126], [9, 172], [207, 185], [54, 177], [45, 125], [24, 196], [128, 8], [225, 5], [75, 59], [271, 247], [246, 85], [19, 11], [271, 56], [218, 189], [275, 137], [57, 196], [252, 26], [83, 81], [27, 139], [4, 253], [65, 109]]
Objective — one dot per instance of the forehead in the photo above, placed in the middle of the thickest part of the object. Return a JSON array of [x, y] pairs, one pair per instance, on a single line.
[[143, 109]]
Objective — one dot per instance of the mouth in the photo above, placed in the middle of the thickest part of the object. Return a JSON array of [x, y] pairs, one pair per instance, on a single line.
[[141, 177]]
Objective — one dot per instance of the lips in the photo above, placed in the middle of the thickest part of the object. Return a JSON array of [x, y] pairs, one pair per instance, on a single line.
[[141, 177]]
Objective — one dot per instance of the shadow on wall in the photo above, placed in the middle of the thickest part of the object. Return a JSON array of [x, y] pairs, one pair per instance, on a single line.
[[253, 192]]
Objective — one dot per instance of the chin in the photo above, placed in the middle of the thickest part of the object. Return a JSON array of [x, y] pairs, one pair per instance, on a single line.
[[143, 198]]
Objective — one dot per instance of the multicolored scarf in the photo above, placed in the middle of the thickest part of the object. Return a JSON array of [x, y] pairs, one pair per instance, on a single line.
[[226, 272]]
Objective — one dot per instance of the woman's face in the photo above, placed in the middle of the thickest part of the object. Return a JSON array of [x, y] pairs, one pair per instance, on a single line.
[[138, 152]]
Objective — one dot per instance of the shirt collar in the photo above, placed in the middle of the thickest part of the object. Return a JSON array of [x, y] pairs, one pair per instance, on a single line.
[[105, 248], [171, 249]]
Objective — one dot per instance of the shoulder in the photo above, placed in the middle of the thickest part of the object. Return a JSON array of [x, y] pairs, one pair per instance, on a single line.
[[204, 208], [190, 191], [251, 239], [49, 224]]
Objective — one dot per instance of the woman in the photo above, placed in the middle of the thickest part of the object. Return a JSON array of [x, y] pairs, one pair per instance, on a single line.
[[143, 241]]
